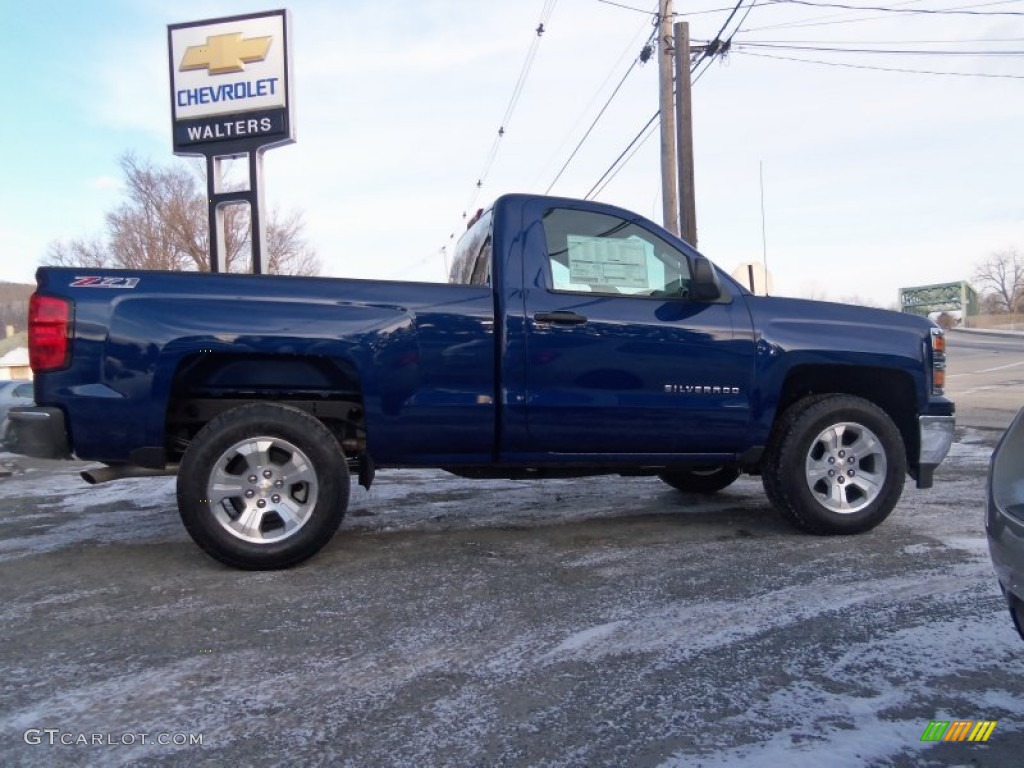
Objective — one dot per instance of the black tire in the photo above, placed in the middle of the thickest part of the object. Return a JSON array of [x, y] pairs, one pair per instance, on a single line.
[[701, 480], [263, 486], [802, 475], [770, 479]]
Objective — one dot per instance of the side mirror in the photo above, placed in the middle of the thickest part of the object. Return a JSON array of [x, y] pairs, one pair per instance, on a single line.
[[704, 283]]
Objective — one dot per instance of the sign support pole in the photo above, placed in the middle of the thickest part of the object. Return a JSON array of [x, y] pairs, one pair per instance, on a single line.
[[218, 199]]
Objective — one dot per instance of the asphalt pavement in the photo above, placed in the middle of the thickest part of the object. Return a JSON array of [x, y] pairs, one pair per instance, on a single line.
[[592, 622]]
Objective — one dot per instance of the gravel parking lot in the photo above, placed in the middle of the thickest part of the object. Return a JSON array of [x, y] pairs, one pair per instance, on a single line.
[[591, 622]]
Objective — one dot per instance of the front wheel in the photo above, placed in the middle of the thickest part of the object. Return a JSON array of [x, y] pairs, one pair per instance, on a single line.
[[701, 480], [263, 486], [837, 465]]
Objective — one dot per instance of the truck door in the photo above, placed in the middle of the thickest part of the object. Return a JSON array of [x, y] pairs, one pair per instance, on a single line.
[[618, 358]]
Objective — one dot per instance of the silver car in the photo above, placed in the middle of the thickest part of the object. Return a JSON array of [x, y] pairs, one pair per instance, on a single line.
[[17, 392], [1005, 521]]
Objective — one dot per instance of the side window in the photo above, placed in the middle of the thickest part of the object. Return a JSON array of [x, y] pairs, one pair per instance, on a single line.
[[598, 253], [472, 262]]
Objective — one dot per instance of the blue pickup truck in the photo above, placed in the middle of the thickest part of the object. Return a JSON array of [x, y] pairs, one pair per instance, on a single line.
[[573, 339]]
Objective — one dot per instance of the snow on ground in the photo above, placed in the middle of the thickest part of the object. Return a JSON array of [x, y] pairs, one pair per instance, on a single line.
[[599, 621], [418, 500], [65, 511]]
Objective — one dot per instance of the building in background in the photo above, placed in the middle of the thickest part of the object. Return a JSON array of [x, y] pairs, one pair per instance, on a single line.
[[14, 365]]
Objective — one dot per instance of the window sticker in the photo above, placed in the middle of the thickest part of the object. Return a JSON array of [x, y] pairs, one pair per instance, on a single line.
[[600, 261]]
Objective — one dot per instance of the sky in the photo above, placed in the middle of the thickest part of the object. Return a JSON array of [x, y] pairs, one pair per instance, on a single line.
[[872, 180]]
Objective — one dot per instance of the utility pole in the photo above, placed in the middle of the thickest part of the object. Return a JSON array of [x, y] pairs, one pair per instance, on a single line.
[[684, 121], [669, 201]]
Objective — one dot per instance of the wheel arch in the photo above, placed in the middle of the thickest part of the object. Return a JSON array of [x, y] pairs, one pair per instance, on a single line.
[[891, 390], [205, 385]]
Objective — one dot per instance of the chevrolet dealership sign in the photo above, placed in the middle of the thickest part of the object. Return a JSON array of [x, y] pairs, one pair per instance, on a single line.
[[230, 83]]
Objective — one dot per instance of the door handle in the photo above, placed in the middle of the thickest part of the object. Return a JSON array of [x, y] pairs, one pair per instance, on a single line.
[[560, 317]]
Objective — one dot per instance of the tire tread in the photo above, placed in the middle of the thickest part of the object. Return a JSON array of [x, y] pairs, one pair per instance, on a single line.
[[301, 428], [783, 489]]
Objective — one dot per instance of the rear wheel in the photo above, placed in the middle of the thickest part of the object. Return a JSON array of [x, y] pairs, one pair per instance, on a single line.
[[263, 486], [837, 465], [701, 480]]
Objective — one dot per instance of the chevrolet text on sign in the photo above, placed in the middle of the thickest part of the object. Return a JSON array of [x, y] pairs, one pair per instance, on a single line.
[[229, 82]]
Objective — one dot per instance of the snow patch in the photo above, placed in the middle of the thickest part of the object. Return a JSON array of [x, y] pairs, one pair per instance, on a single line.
[[579, 640]]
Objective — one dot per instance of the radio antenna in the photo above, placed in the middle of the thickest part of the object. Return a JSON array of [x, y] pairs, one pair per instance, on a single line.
[[764, 238]]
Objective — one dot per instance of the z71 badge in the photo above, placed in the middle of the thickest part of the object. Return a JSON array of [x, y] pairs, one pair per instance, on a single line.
[[104, 282]]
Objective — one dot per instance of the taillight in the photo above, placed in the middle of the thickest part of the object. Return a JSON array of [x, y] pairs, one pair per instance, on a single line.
[[938, 360], [49, 331]]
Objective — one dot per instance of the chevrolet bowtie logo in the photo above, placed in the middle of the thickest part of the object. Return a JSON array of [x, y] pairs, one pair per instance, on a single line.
[[223, 54]]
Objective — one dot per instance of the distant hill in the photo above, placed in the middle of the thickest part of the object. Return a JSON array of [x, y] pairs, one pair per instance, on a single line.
[[10, 291], [14, 305]]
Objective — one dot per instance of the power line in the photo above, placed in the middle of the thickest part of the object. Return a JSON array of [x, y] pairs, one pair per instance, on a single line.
[[726, 23], [832, 19], [655, 13], [886, 51], [626, 7], [882, 69], [622, 154], [963, 41], [926, 11], [607, 103], [549, 7], [714, 48], [546, 11], [717, 47], [631, 47], [650, 132], [517, 91], [591, 128]]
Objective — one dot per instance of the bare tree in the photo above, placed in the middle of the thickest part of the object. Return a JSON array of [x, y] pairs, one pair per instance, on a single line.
[[79, 253], [1002, 276], [287, 252], [163, 225]]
